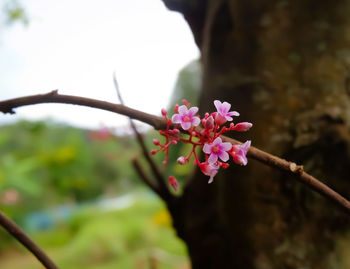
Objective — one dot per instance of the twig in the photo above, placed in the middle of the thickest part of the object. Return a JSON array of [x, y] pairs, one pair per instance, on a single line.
[[145, 178], [157, 174], [17, 233], [159, 123]]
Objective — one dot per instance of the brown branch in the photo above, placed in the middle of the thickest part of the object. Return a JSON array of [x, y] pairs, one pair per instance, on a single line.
[[159, 123], [145, 178], [162, 187], [17, 233]]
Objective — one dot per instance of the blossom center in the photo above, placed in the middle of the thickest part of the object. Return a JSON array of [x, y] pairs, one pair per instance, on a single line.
[[215, 149], [186, 119]]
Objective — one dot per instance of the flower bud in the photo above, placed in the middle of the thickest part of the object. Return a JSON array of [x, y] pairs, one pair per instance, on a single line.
[[209, 124], [174, 142], [219, 119], [186, 103], [164, 112], [153, 152], [243, 126], [225, 165], [173, 183], [181, 160], [156, 142], [176, 109]]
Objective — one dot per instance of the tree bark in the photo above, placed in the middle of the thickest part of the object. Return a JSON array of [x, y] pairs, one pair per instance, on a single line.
[[284, 65]]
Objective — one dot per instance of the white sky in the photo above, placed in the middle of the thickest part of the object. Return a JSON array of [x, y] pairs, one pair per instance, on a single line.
[[75, 45]]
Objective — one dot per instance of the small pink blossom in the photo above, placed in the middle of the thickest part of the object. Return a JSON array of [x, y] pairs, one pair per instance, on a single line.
[[243, 126], [239, 152], [217, 149], [210, 170], [223, 111], [186, 117]]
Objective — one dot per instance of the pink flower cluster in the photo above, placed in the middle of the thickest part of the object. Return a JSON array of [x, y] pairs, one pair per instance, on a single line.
[[217, 152]]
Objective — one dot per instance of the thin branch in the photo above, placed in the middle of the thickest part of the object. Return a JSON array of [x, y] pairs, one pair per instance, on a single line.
[[159, 123], [157, 174], [145, 178], [17, 233]]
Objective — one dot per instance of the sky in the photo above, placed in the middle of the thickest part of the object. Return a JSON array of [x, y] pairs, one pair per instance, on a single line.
[[75, 46]]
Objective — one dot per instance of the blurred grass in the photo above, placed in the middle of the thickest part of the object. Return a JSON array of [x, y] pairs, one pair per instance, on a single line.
[[61, 184], [95, 238]]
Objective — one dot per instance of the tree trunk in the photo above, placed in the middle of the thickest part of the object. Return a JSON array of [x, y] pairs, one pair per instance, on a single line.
[[284, 65]]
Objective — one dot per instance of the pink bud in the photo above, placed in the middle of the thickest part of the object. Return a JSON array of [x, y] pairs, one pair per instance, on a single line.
[[181, 160], [156, 142], [209, 124], [176, 131], [153, 152], [174, 142], [173, 183], [243, 126], [206, 115], [186, 103], [164, 112], [176, 109], [219, 119], [225, 165]]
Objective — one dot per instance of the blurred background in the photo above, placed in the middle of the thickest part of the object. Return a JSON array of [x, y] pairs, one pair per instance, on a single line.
[[65, 172]]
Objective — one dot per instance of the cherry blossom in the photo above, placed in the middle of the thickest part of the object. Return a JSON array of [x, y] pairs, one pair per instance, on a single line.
[[186, 117], [217, 149]]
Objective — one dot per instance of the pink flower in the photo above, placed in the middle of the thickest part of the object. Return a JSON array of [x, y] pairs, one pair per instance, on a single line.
[[239, 152], [186, 117], [217, 149], [210, 170], [223, 111]]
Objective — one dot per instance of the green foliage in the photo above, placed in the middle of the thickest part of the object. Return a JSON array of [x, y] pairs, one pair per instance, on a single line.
[[124, 238], [49, 164]]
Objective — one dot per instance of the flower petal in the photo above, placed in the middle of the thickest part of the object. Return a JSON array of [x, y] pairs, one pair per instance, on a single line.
[[217, 141], [211, 179], [226, 146], [176, 118], [207, 148], [246, 145], [224, 156], [226, 107], [183, 110], [212, 158], [185, 125], [192, 111], [195, 121], [233, 113], [218, 105]]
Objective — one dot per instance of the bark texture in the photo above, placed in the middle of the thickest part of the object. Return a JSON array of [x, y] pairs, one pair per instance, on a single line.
[[284, 65]]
